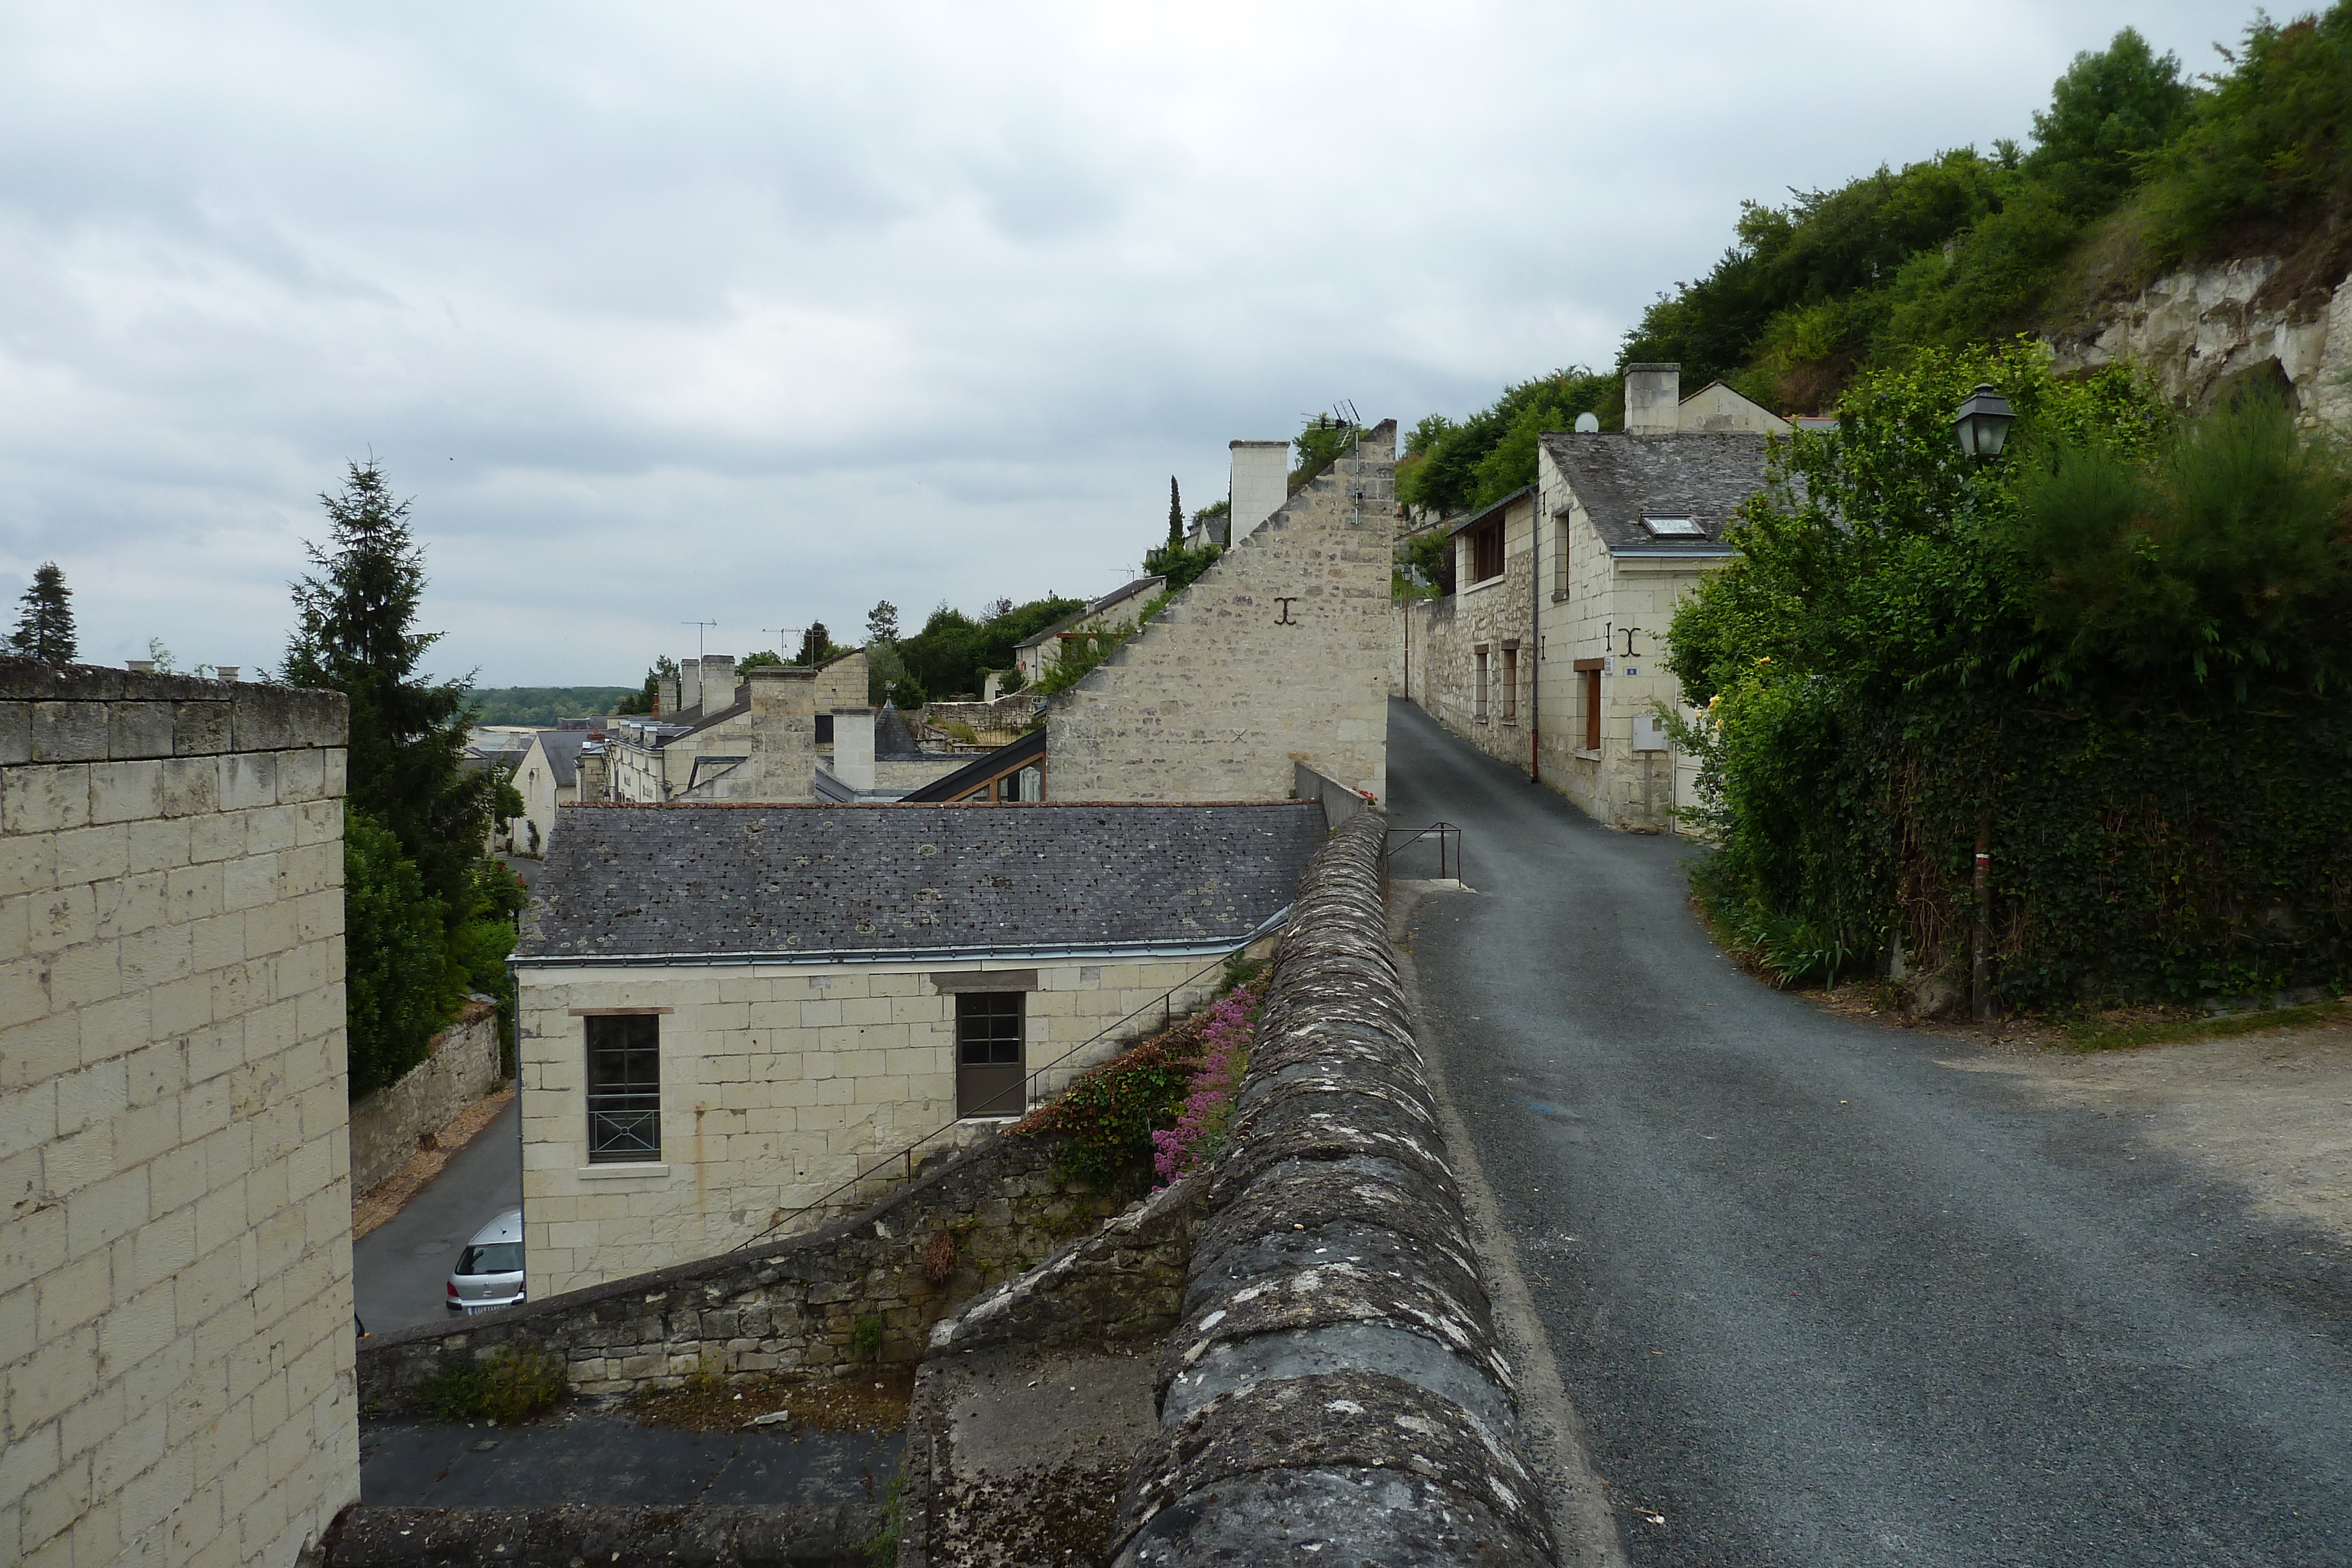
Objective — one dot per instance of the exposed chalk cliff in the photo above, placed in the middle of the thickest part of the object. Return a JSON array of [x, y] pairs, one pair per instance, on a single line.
[[2202, 329]]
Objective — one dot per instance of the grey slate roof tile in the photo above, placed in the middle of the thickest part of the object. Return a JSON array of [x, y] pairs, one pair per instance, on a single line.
[[624, 882], [1623, 478]]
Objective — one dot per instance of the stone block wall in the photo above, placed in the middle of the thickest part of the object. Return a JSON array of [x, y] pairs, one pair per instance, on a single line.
[[1278, 653], [175, 1298], [463, 1068], [778, 1084], [1447, 634], [1338, 1341], [789, 1306]]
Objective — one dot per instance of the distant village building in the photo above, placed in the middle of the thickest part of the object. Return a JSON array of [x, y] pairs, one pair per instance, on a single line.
[[728, 1012], [1546, 647], [1035, 657], [546, 775]]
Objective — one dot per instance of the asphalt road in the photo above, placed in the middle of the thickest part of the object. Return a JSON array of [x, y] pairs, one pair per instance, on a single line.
[[1821, 1300], [400, 1270]]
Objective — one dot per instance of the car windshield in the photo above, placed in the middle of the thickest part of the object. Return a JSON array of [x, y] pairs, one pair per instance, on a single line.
[[497, 1257]]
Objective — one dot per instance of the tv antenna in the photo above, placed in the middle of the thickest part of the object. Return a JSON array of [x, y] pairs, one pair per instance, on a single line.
[[697, 626], [784, 649]]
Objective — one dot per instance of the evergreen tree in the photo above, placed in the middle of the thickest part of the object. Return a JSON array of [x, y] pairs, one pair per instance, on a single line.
[[1175, 515], [816, 646], [882, 622], [45, 627], [356, 633]]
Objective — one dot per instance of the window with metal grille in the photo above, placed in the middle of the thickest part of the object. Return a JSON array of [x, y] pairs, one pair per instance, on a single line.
[[623, 1089]]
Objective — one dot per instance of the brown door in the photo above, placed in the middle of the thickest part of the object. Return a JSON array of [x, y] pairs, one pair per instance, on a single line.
[[991, 1074]]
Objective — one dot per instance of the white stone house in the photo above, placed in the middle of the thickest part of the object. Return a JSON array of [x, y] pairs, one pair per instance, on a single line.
[[728, 1013], [546, 776], [1550, 651]]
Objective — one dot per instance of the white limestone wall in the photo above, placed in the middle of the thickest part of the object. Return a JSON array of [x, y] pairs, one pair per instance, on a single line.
[[778, 1083], [175, 1293], [1278, 653]]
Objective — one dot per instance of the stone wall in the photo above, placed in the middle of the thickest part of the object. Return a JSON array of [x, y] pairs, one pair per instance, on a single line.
[[463, 1068], [175, 1296], [778, 1084], [1336, 1386], [785, 1306], [1278, 653]]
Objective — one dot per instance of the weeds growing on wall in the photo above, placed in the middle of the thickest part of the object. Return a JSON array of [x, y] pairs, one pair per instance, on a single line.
[[509, 1388], [1199, 1129], [1107, 1118], [2122, 653]]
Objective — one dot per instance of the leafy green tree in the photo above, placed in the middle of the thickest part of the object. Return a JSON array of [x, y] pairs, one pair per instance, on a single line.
[[648, 696], [396, 959], [2108, 115], [1459, 467], [543, 705], [1181, 564], [953, 651], [757, 659], [817, 646], [45, 626]]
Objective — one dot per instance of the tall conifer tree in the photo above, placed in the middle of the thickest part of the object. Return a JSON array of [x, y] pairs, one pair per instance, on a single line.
[[1175, 515], [45, 627]]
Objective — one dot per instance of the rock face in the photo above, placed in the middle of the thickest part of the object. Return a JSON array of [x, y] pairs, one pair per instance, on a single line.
[[2200, 330]]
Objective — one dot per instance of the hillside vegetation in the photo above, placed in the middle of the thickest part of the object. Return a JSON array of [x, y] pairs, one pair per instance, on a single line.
[[2134, 168], [542, 705]]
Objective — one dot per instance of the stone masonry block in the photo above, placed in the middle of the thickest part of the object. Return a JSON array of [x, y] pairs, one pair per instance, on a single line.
[[136, 730], [201, 729], [192, 786], [126, 791], [68, 732], [44, 799], [282, 719], [248, 779], [15, 733]]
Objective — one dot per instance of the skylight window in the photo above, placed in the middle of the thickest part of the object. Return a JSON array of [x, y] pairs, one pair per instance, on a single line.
[[1674, 527]]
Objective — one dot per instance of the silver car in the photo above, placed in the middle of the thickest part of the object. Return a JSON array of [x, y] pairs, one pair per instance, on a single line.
[[489, 1270]]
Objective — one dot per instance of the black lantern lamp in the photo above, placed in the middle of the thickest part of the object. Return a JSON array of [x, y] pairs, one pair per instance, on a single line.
[[1982, 425]]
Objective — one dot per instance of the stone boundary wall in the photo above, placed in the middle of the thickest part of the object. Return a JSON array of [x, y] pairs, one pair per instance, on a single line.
[[711, 1536], [462, 1068], [1340, 803], [175, 1206], [792, 1305], [1336, 1384]]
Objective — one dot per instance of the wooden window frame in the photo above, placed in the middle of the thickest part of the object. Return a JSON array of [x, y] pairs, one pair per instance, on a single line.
[[1486, 552], [1478, 657], [1510, 683], [987, 1022], [624, 1099], [1589, 672]]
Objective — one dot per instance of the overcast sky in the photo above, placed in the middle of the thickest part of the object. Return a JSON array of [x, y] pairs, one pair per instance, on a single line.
[[759, 313]]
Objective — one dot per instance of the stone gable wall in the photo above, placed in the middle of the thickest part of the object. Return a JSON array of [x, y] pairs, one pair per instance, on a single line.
[[176, 1295], [462, 1068], [1278, 653]]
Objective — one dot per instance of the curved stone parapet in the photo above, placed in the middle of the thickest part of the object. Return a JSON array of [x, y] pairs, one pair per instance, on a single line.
[[1336, 1392]]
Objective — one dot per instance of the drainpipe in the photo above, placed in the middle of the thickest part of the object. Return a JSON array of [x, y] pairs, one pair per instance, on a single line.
[[1535, 630], [1980, 979]]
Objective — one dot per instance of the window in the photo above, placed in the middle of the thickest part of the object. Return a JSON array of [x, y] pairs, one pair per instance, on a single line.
[[1486, 551], [1478, 697], [990, 1080], [824, 729], [623, 1089], [1510, 683], [1560, 560], [1592, 679]]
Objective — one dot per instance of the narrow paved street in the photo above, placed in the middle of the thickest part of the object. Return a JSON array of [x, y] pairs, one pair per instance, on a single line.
[[1823, 1300], [400, 1270]]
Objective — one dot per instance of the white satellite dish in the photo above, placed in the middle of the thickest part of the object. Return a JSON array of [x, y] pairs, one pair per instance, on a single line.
[[1587, 424]]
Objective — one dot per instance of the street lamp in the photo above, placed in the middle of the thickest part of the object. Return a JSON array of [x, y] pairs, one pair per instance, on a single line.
[[1982, 425]]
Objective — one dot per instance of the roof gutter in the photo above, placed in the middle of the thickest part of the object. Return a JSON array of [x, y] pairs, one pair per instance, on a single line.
[[900, 955]]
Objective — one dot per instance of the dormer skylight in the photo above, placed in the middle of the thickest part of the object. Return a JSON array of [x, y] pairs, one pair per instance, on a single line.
[[1674, 527]]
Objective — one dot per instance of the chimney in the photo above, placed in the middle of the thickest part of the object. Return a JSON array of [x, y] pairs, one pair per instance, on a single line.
[[140, 666], [225, 671], [665, 696], [689, 684], [1261, 484], [1653, 396], [853, 746], [718, 682]]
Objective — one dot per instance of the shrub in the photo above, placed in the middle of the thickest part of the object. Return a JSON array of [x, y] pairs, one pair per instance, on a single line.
[[866, 1338], [1199, 1129], [509, 1388]]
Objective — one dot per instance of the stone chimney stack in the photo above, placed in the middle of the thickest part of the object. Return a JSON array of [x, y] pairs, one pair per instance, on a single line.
[[1653, 396], [853, 746], [718, 682], [665, 696], [1261, 484], [689, 684], [595, 777]]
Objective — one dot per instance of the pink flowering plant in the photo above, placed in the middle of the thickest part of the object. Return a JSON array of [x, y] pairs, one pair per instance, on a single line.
[[1199, 1129]]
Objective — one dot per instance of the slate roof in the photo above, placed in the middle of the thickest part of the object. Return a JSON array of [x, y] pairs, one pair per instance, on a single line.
[[893, 740], [1111, 601], [562, 749], [749, 883], [1621, 479], [1497, 510]]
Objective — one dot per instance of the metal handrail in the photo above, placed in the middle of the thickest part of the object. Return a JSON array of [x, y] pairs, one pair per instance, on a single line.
[[1166, 1002], [1446, 831]]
